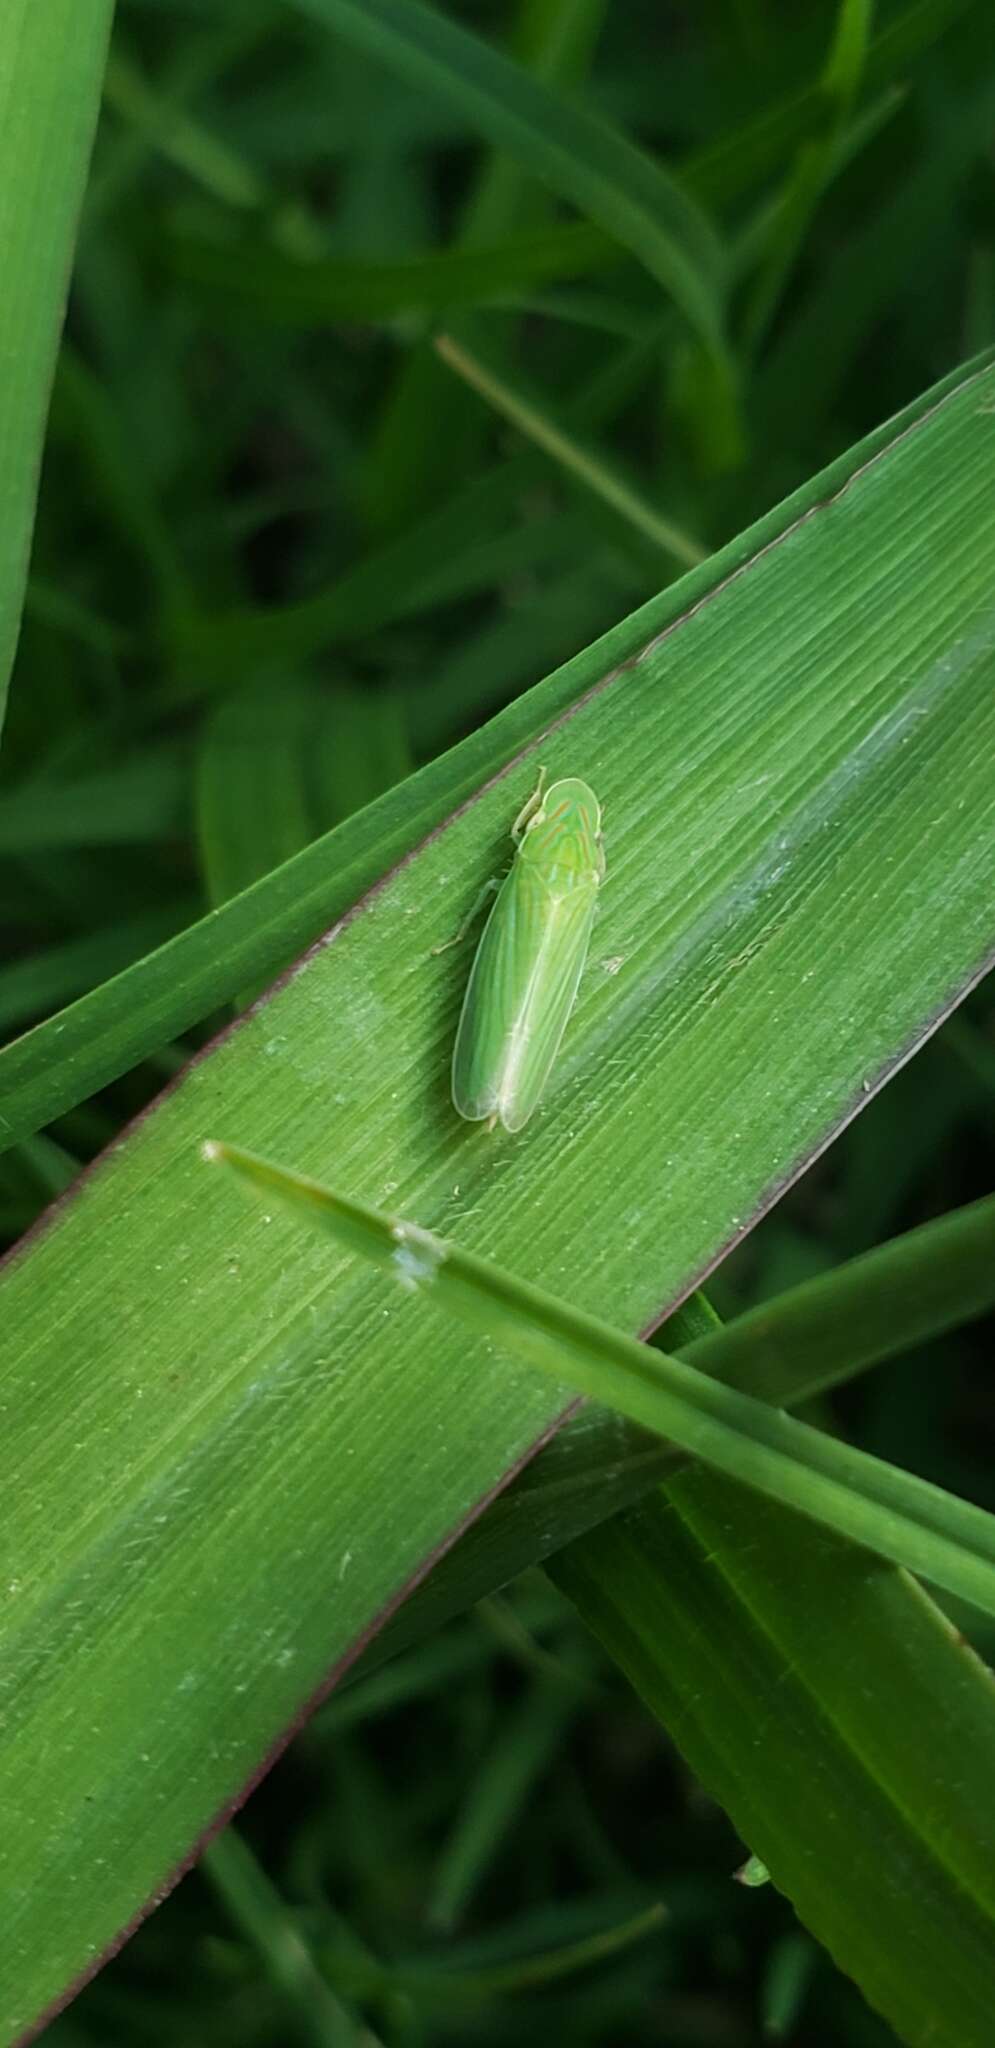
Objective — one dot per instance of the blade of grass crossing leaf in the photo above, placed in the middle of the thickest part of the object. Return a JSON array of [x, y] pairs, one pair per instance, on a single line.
[[51, 65], [901, 1517], [930, 1279], [565, 146]]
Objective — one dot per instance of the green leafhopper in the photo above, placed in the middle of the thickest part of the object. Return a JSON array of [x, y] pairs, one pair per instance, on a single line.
[[531, 955]]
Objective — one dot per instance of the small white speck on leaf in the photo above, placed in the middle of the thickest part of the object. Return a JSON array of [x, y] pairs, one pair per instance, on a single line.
[[417, 1258]]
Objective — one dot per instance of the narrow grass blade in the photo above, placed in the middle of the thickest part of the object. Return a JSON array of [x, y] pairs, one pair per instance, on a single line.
[[502, 1783], [463, 547], [813, 168], [603, 173], [36, 984], [253, 802], [260, 282], [140, 800], [901, 1517], [812, 353], [820, 1334], [801, 1679], [589, 467], [469, 1984], [314, 2012], [742, 162], [182, 140], [871, 1308]]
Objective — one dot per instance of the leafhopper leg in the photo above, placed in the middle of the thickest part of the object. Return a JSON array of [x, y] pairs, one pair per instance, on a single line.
[[529, 808], [489, 889]]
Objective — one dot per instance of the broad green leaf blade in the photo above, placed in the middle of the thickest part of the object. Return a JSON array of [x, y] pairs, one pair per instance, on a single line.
[[847, 1731], [51, 65], [257, 934], [900, 1517], [244, 1456], [580, 156]]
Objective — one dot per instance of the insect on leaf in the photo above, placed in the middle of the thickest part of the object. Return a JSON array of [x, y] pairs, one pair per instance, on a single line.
[[531, 956]]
